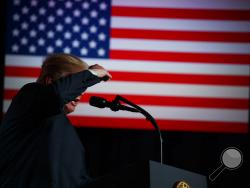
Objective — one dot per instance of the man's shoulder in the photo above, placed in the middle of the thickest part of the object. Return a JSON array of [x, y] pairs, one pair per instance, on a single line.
[[30, 89], [32, 86]]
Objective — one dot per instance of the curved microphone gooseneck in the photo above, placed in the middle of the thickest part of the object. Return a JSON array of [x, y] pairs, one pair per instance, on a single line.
[[148, 117]]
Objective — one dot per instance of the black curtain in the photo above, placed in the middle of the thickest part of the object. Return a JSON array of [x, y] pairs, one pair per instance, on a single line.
[[2, 44], [111, 149]]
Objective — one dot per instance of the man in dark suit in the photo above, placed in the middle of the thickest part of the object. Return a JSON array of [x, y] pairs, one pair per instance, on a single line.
[[38, 146]]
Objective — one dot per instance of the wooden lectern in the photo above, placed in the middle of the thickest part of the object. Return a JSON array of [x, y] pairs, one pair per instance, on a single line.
[[151, 174]]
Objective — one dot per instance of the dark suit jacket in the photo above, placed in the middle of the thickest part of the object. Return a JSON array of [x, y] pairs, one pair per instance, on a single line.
[[38, 146]]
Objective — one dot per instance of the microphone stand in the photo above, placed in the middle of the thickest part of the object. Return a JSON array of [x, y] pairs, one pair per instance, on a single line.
[[148, 117]]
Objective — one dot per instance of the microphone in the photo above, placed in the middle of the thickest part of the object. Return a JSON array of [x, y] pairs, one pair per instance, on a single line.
[[115, 106], [100, 102]]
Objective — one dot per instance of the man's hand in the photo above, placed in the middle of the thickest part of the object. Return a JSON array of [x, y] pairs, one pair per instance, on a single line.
[[100, 71]]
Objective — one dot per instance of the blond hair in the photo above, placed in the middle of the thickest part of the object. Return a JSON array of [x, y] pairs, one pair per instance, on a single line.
[[58, 65]]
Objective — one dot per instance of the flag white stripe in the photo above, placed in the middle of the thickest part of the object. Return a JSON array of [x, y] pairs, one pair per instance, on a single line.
[[153, 89], [143, 66], [179, 24], [160, 89], [160, 112], [16, 82], [179, 46], [199, 4], [165, 113], [23, 60]]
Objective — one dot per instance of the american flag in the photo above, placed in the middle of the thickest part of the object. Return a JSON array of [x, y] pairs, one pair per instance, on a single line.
[[185, 62]]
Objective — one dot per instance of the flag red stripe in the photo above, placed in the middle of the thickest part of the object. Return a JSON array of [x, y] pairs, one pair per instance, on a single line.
[[149, 77], [178, 101], [9, 94], [164, 100], [22, 71], [181, 35], [181, 13], [181, 78], [165, 125], [181, 57]]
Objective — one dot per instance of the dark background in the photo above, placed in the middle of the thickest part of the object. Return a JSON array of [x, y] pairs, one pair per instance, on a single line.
[[111, 149], [198, 152]]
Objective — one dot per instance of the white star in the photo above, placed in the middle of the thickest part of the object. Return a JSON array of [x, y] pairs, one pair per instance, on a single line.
[[85, 21], [50, 34], [32, 33], [24, 41], [76, 28], [101, 36], [68, 4], [25, 10], [24, 25], [103, 6], [76, 13], [33, 18], [92, 44], [101, 52], [93, 29], [59, 27], [16, 17], [15, 32], [33, 3], [67, 50], [59, 12], [93, 14], [75, 43], [50, 49], [68, 20], [59, 42], [67, 35], [85, 5], [17, 2], [102, 21], [84, 51], [41, 26], [41, 42], [51, 3], [84, 36], [32, 49], [42, 11], [94, 1], [15, 48], [51, 19]]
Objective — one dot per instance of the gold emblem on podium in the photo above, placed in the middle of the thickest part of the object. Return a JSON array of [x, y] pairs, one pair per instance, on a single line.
[[181, 184]]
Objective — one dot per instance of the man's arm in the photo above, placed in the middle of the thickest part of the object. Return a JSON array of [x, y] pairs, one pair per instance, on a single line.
[[67, 88]]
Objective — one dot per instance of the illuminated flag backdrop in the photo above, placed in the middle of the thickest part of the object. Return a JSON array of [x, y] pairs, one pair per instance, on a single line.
[[186, 62]]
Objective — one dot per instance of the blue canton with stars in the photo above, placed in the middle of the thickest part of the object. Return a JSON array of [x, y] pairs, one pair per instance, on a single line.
[[41, 27]]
